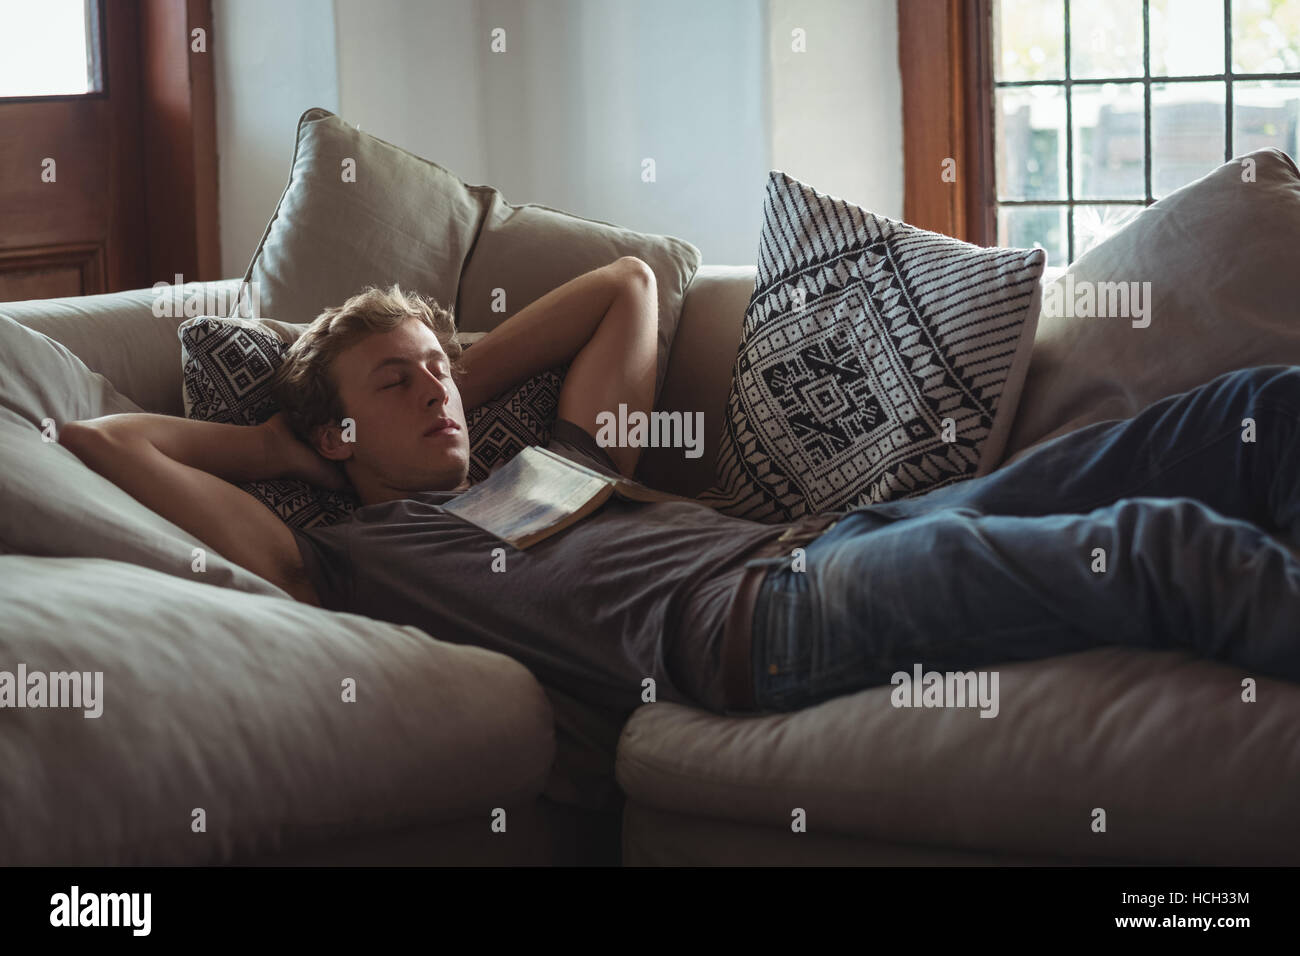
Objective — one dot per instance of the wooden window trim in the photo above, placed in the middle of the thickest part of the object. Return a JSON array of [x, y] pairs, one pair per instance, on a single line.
[[180, 136], [944, 49]]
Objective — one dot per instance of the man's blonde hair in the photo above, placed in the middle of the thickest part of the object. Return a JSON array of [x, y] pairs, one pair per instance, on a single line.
[[304, 387]]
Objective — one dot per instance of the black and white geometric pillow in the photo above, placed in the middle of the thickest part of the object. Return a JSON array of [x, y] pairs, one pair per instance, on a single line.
[[877, 360], [502, 427], [229, 365]]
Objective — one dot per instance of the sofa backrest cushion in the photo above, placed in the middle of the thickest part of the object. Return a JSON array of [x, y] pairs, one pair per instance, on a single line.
[[525, 250], [1219, 257], [359, 211], [699, 375]]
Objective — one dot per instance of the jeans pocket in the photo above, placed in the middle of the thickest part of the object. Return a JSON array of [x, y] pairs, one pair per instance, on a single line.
[[782, 643], [791, 634]]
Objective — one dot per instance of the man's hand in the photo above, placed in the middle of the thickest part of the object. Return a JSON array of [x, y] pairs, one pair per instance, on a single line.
[[289, 457]]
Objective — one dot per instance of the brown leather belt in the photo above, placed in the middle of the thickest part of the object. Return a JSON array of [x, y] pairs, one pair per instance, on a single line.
[[738, 633]]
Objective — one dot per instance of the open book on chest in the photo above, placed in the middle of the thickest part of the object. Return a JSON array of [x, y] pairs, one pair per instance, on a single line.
[[540, 492]]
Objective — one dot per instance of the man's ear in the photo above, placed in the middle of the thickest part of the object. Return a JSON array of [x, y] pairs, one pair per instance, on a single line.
[[328, 442]]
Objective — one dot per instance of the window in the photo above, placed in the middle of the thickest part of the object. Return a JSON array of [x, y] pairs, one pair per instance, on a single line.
[[1101, 107], [49, 48]]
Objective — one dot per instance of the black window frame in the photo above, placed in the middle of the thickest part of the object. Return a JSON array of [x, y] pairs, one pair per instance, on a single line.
[[1067, 83]]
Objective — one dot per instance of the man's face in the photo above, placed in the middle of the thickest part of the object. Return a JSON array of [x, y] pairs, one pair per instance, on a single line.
[[397, 386]]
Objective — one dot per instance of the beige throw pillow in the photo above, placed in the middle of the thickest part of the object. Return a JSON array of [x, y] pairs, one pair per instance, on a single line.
[[358, 211], [527, 250], [1217, 258]]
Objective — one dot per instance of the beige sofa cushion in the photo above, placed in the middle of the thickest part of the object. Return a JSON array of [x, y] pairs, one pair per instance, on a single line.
[[126, 336], [358, 211], [233, 703], [527, 250], [1220, 256], [1186, 771]]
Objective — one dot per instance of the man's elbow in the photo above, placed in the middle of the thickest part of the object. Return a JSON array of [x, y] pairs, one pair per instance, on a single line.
[[636, 271]]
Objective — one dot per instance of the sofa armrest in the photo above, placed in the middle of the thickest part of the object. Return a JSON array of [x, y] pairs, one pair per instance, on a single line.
[[118, 336]]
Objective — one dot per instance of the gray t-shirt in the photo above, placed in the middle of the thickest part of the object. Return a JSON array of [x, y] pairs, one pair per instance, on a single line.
[[634, 590]]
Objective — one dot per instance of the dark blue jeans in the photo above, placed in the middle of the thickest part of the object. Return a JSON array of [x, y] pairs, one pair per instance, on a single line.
[[1199, 531]]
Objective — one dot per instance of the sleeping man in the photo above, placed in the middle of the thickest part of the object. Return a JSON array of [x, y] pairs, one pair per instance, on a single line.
[[1176, 529]]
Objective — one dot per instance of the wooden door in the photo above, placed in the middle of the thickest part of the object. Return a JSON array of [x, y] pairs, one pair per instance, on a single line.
[[71, 189], [115, 189]]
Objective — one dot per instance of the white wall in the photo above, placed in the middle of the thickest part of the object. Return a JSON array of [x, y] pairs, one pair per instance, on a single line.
[[273, 61], [612, 83], [585, 91], [837, 109], [409, 73]]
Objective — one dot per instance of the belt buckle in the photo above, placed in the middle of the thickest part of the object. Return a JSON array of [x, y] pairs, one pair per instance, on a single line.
[[809, 532]]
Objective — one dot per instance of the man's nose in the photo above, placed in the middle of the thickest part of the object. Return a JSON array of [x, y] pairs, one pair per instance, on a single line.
[[435, 391]]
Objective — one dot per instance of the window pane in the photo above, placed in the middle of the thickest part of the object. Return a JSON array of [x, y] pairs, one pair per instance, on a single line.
[[1105, 39], [1096, 224], [43, 48], [1187, 131], [1024, 227], [1266, 114], [1108, 142], [1031, 142], [1265, 36], [1029, 36], [1186, 37]]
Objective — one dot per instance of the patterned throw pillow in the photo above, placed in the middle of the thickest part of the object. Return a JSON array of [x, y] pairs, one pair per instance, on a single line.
[[501, 428], [228, 367], [877, 360]]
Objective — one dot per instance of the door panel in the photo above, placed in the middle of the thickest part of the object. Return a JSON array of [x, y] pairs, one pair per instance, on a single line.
[[76, 227]]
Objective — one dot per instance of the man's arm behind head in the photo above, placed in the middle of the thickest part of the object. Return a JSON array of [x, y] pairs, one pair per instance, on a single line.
[[184, 470]]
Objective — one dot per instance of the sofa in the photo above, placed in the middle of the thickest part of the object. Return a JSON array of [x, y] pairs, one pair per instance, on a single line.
[[224, 739], [1185, 772]]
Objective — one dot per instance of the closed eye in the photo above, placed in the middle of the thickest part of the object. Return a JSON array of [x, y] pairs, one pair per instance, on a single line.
[[402, 381]]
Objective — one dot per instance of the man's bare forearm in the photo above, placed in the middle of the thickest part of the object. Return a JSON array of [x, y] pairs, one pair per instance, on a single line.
[[236, 453], [545, 333]]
